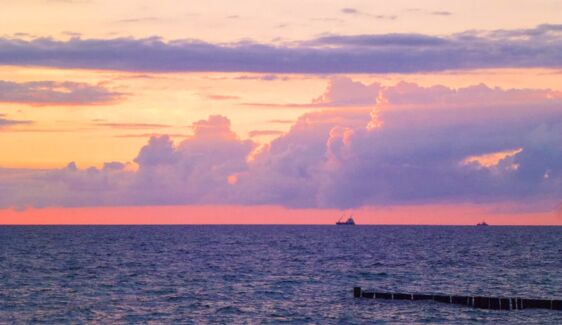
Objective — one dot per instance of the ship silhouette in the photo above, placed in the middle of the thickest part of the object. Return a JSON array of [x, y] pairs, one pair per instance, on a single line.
[[348, 222]]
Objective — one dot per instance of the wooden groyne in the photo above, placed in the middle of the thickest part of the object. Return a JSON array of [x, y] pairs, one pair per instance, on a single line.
[[472, 301]]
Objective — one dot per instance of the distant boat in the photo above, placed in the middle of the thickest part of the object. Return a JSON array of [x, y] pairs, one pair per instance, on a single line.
[[482, 224], [348, 222]]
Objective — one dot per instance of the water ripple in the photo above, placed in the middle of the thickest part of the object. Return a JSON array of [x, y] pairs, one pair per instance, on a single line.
[[271, 274]]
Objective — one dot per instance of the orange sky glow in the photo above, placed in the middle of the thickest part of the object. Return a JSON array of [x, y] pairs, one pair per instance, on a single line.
[[212, 215]]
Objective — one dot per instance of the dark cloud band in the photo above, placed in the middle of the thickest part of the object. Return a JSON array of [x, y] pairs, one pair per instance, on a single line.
[[56, 93], [386, 53]]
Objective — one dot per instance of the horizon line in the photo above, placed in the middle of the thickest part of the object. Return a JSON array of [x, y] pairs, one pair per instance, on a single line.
[[272, 224]]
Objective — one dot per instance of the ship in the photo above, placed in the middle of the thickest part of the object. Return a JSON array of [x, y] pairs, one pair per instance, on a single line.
[[348, 222], [482, 224]]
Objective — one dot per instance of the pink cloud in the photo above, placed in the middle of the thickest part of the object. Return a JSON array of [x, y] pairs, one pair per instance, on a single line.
[[404, 95], [463, 214], [410, 151], [343, 91]]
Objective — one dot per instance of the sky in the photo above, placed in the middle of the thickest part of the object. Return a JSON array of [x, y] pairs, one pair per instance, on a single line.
[[143, 112]]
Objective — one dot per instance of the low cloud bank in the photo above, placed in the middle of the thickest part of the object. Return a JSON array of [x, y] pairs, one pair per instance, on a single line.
[[417, 145]]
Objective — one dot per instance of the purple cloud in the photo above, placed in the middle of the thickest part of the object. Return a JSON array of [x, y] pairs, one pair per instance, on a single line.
[[412, 149], [265, 77], [196, 170], [386, 40], [417, 145], [356, 12], [384, 53], [41, 93], [344, 92], [4, 122], [350, 11]]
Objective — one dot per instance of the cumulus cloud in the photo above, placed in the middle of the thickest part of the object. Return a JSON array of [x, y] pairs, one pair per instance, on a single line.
[[382, 53], [420, 145], [341, 92], [287, 171], [41, 93], [406, 94], [439, 151], [344, 92], [69, 186], [199, 169]]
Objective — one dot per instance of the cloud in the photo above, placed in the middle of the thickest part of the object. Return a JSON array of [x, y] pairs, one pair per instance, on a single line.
[[265, 77], [382, 53], [281, 121], [341, 92], [406, 94], [287, 171], [356, 12], [4, 123], [40, 130], [344, 92], [151, 135], [406, 40], [41, 93], [69, 186], [139, 20], [420, 145], [416, 145], [350, 11], [259, 133], [441, 13], [132, 125], [491, 160], [220, 97], [197, 169], [429, 12]]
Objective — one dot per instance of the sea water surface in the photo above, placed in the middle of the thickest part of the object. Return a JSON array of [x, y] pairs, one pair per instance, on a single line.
[[272, 274]]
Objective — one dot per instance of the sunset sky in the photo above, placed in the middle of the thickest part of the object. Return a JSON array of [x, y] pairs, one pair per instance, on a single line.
[[401, 112]]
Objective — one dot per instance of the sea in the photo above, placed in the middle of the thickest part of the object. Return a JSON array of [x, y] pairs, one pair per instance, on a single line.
[[272, 274]]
